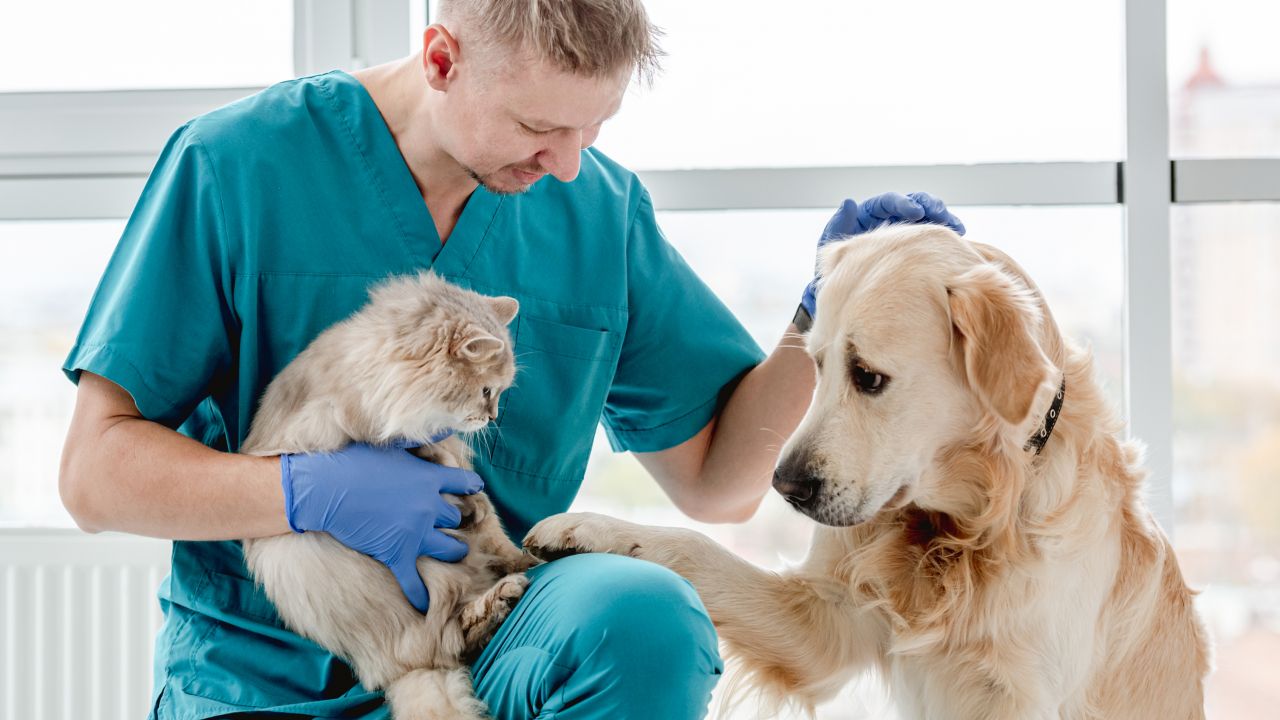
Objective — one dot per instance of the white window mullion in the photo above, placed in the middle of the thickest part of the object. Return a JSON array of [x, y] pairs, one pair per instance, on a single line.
[[1233, 180], [348, 34], [1062, 183], [1148, 325]]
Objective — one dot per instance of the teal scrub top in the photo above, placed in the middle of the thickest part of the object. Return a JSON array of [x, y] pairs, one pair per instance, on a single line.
[[266, 221]]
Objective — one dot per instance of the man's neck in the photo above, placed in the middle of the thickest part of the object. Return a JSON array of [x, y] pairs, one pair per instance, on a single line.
[[402, 96]]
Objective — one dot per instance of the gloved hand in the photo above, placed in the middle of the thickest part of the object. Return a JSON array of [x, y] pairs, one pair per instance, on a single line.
[[853, 219], [380, 501]]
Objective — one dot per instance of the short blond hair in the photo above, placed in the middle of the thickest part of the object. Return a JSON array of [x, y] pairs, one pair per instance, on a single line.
[[584, 37]]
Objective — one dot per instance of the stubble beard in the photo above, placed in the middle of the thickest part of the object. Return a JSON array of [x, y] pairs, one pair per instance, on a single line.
[[483, 182]]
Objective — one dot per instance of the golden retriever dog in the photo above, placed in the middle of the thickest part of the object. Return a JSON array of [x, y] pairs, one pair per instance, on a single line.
[[982, 538]]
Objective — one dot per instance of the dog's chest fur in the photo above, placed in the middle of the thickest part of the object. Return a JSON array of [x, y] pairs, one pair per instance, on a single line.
[[988, 618]]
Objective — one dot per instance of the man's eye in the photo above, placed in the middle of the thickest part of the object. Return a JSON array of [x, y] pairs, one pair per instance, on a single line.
[[871, 383], [531, 131]]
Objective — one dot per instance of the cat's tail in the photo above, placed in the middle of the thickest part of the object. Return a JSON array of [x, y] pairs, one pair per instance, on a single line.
[[435, 695]]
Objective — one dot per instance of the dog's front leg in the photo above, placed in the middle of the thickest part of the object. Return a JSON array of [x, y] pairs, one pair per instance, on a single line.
[[799, 636]]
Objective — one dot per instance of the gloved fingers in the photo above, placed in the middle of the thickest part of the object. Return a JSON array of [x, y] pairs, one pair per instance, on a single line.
[[890, 207], [935, 211], [406, 572], [810, 297], [404, 444], [450, 516], [842, 224], [456, 481], [442, 547]]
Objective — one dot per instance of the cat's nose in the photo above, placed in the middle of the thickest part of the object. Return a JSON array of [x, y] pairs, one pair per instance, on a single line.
[[493, 416]]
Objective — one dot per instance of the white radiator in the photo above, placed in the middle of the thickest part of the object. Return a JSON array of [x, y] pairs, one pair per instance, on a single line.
[[78, 617]]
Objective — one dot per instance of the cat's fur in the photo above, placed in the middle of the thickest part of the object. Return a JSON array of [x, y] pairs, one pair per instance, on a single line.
[[414, 361]]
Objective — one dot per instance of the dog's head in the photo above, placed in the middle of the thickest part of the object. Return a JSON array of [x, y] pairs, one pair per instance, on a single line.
[[923, 341]]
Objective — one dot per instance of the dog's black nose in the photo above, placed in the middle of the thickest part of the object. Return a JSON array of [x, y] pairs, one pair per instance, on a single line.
[[799, 488]]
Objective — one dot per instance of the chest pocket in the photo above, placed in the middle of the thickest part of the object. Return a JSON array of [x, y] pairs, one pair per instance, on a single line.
[[548, 417]]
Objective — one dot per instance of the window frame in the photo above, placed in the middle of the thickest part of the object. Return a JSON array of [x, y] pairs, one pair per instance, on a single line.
[[44, 178]]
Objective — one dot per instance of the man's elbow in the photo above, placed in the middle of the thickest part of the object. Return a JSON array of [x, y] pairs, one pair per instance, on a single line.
[[74, 496], [719, 512]]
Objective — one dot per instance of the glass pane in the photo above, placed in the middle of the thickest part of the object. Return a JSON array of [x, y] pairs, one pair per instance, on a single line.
[[48, 271], [93, 45], [1075, 255], [1226, 461], [754, 83], [1224, 78]]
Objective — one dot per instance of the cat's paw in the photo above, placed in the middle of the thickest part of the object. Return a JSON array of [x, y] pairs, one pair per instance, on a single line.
[[506, 593], [474, 508], [482, 618], [573, 533]]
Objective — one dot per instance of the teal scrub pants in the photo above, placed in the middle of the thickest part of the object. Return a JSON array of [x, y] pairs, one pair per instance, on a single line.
[[600, 637]]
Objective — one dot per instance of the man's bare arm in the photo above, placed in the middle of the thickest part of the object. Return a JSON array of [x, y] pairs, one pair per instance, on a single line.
[[125, 473], [722, 473]]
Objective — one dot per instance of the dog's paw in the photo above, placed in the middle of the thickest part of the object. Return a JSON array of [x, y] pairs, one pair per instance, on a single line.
[[574, 533]]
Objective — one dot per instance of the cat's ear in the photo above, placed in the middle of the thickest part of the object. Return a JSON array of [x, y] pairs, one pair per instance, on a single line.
[[475, 344], [505, 308]]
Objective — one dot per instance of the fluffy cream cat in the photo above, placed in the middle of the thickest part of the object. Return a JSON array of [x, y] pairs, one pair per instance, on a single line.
[[420, 357]]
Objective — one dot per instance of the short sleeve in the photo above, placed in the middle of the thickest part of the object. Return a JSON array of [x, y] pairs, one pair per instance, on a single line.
[[160, 324], [682, 347]]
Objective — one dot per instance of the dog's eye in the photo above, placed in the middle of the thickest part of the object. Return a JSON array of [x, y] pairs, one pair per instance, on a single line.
[[871, 383]]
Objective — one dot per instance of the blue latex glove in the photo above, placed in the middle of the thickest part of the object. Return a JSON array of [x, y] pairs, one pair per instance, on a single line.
[[381, 501], [854, 219]]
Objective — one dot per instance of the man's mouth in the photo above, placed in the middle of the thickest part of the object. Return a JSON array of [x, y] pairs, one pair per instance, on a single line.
[[527, 177]]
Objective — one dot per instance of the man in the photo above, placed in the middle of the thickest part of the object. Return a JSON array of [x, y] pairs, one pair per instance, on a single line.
[[266, 221]]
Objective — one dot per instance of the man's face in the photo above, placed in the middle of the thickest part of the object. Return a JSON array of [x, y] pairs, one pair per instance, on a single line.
[[508, 129]]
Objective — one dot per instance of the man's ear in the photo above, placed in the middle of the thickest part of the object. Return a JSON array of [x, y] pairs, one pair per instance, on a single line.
[[439, 55], [997, 320]]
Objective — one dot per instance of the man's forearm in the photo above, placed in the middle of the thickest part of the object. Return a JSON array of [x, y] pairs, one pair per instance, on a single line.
[[765, 408], [140, 477]]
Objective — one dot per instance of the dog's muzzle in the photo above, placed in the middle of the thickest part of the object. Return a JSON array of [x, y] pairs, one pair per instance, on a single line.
[[796, 484]]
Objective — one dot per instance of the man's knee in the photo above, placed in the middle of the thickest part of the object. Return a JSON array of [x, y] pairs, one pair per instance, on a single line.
[[643, 615]]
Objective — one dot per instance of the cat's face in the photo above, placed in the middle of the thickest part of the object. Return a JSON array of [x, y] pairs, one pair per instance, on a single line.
[[448, 357], [429, 356], [485, 367]]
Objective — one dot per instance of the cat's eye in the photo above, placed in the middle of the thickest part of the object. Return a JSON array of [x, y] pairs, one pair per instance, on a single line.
[[487, 393], [867, 381]]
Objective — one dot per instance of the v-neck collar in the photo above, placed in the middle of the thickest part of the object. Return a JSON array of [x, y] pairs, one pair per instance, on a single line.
[[404, 201]]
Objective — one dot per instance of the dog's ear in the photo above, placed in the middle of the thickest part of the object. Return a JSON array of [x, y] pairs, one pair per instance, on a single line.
[[997, 320]]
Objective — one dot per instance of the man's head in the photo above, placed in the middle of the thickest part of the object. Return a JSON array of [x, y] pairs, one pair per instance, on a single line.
[[523, 86]]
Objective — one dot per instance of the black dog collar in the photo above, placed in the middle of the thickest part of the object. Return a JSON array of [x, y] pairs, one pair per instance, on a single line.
[[1038, 440]]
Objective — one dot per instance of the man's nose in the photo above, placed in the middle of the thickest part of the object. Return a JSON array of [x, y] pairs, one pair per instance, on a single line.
[[795, 482], [563, 157]]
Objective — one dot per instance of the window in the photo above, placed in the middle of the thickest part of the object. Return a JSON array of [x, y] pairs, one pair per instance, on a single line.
[[754, 84], [48, 271], [1224, 78], [88, 45], [1226, 481]]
